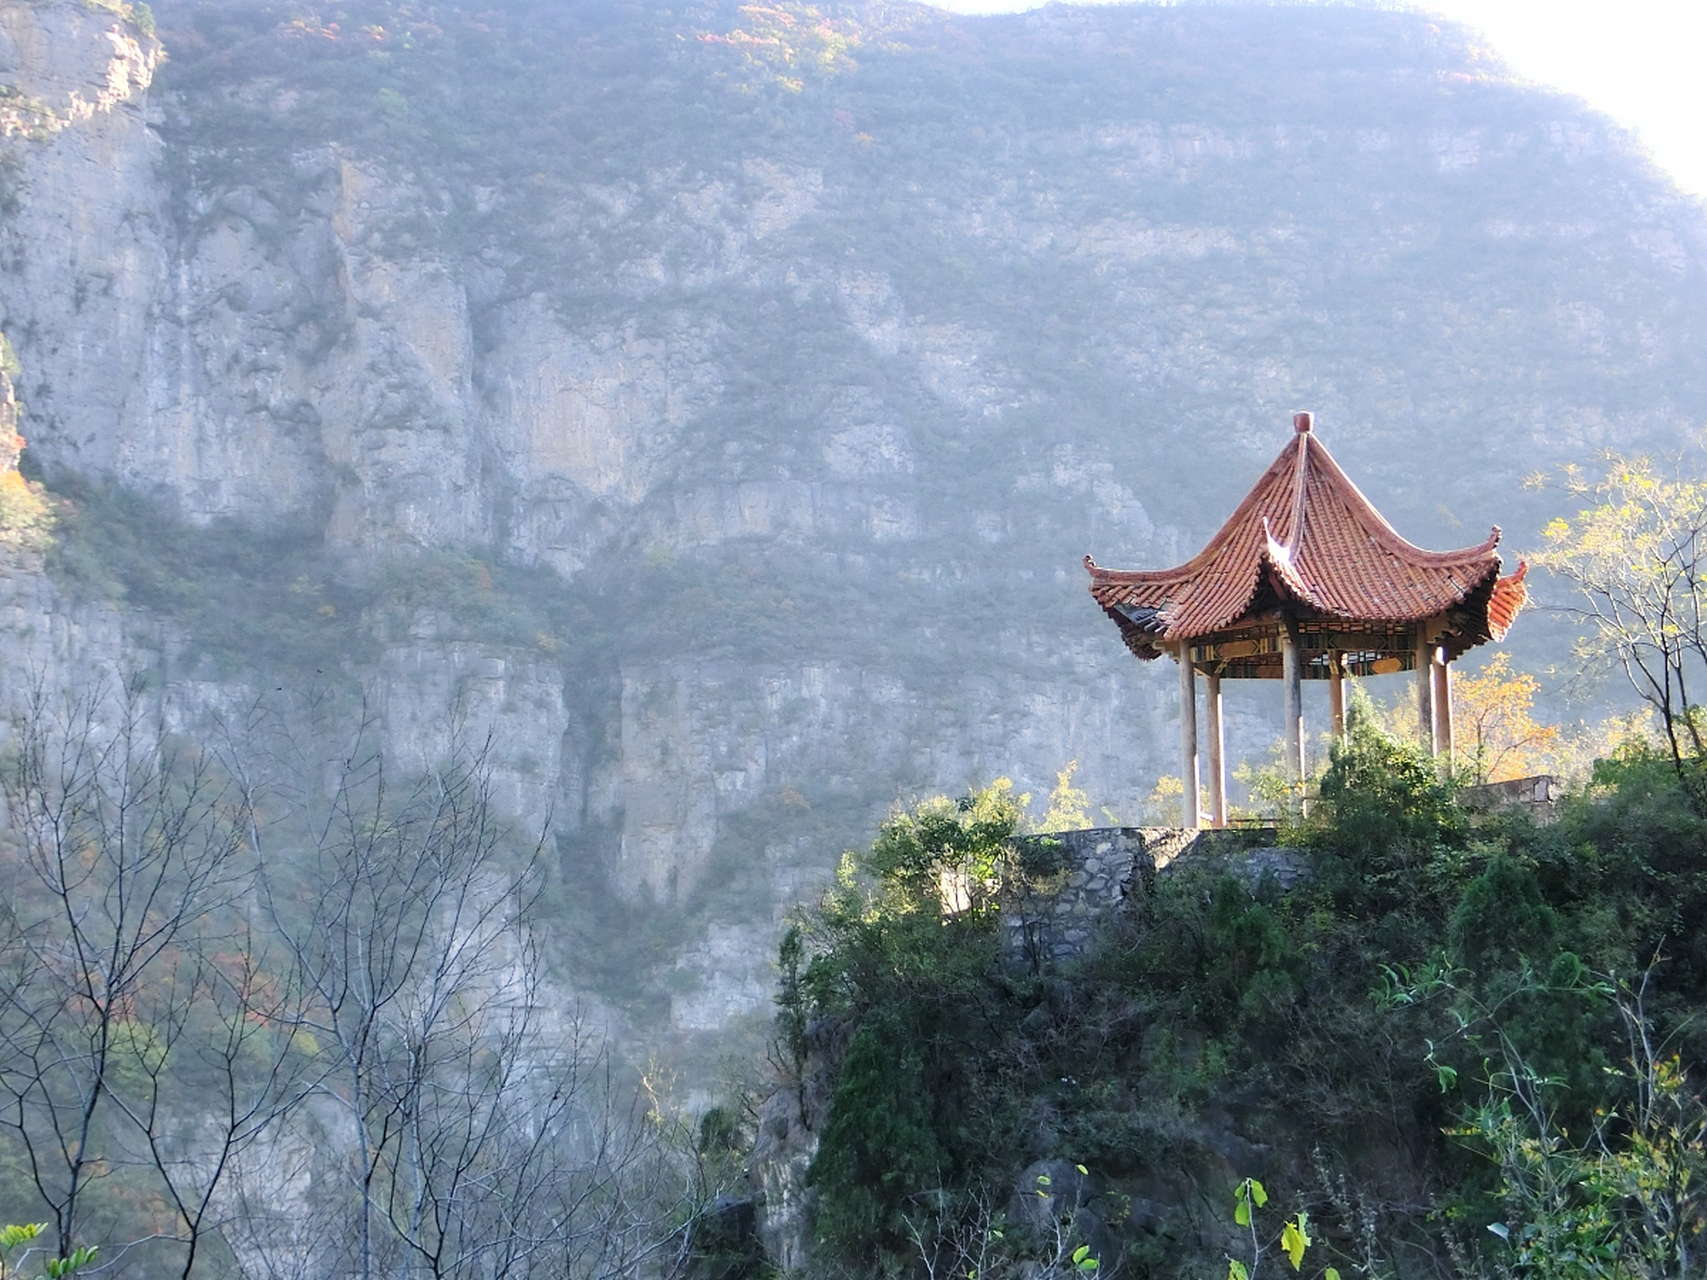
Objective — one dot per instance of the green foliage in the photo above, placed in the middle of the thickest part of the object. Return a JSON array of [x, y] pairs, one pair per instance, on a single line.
[[74, 1261], [791, 1001], [905, 947], [1384, 812], [1249, 1193], [1425, 971], [720, 1132], [947, 855], [17, 1235], [1294, 1238], [881, 1143], [1501, 918], [1627, 1201]]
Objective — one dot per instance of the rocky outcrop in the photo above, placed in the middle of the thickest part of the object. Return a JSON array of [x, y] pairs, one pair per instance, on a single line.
[[87, 247], [1064, 892], [790, 1119]]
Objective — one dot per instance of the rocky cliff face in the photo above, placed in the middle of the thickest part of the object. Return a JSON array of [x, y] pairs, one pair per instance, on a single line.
[[713, 403]]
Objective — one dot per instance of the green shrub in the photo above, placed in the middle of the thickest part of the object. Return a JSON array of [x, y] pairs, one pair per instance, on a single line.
[[1502, 918], [881, 1144], [1384, 814]]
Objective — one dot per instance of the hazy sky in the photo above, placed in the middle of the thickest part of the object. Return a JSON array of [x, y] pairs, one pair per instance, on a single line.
[[1640, 61]]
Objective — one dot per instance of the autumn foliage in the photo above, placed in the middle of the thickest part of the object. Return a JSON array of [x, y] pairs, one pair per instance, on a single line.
[[1497, 736]]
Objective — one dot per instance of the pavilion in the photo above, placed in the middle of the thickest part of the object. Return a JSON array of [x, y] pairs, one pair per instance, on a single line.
[[1307, 581]]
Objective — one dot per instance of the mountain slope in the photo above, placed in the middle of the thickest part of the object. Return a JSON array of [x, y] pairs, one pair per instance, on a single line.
[[716, 400]]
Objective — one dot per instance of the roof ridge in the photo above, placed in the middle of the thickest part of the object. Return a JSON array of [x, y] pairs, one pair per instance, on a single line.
[[1300, 477]]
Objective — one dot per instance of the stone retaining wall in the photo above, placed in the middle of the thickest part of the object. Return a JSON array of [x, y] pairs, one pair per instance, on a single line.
[[1075, 880], [1538, 796]]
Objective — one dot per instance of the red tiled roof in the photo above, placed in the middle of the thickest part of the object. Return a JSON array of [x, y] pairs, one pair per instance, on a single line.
[[1309, 534]]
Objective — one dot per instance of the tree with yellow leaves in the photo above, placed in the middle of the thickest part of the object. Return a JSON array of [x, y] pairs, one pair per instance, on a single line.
[[1498, 737], [1069, 806], [1638, 560]]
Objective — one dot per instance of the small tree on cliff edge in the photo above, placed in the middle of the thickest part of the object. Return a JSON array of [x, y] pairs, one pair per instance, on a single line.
[[903, 947]]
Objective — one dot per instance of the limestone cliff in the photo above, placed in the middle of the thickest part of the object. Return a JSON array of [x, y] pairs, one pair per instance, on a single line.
[[713, 402]]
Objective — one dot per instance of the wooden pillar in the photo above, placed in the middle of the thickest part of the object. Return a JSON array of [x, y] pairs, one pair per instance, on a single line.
[[1191, 814], [1217, 751], [1292, 676], [1425, 690], [1336, 695], [1442, 705]]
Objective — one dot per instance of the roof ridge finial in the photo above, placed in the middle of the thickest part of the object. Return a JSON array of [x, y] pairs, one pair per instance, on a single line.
[[1301, 423]]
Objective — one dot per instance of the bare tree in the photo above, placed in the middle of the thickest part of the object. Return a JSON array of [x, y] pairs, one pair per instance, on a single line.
[[125, 846], [481, 1131], [548, 1166], [300, 1013], [222, 1067]]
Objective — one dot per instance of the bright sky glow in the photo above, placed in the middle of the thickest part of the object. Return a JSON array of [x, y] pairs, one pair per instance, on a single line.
[[1639, 61]]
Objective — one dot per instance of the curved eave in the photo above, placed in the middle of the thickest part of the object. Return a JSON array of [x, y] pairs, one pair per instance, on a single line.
[[1467, 573], [1484, 612]]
